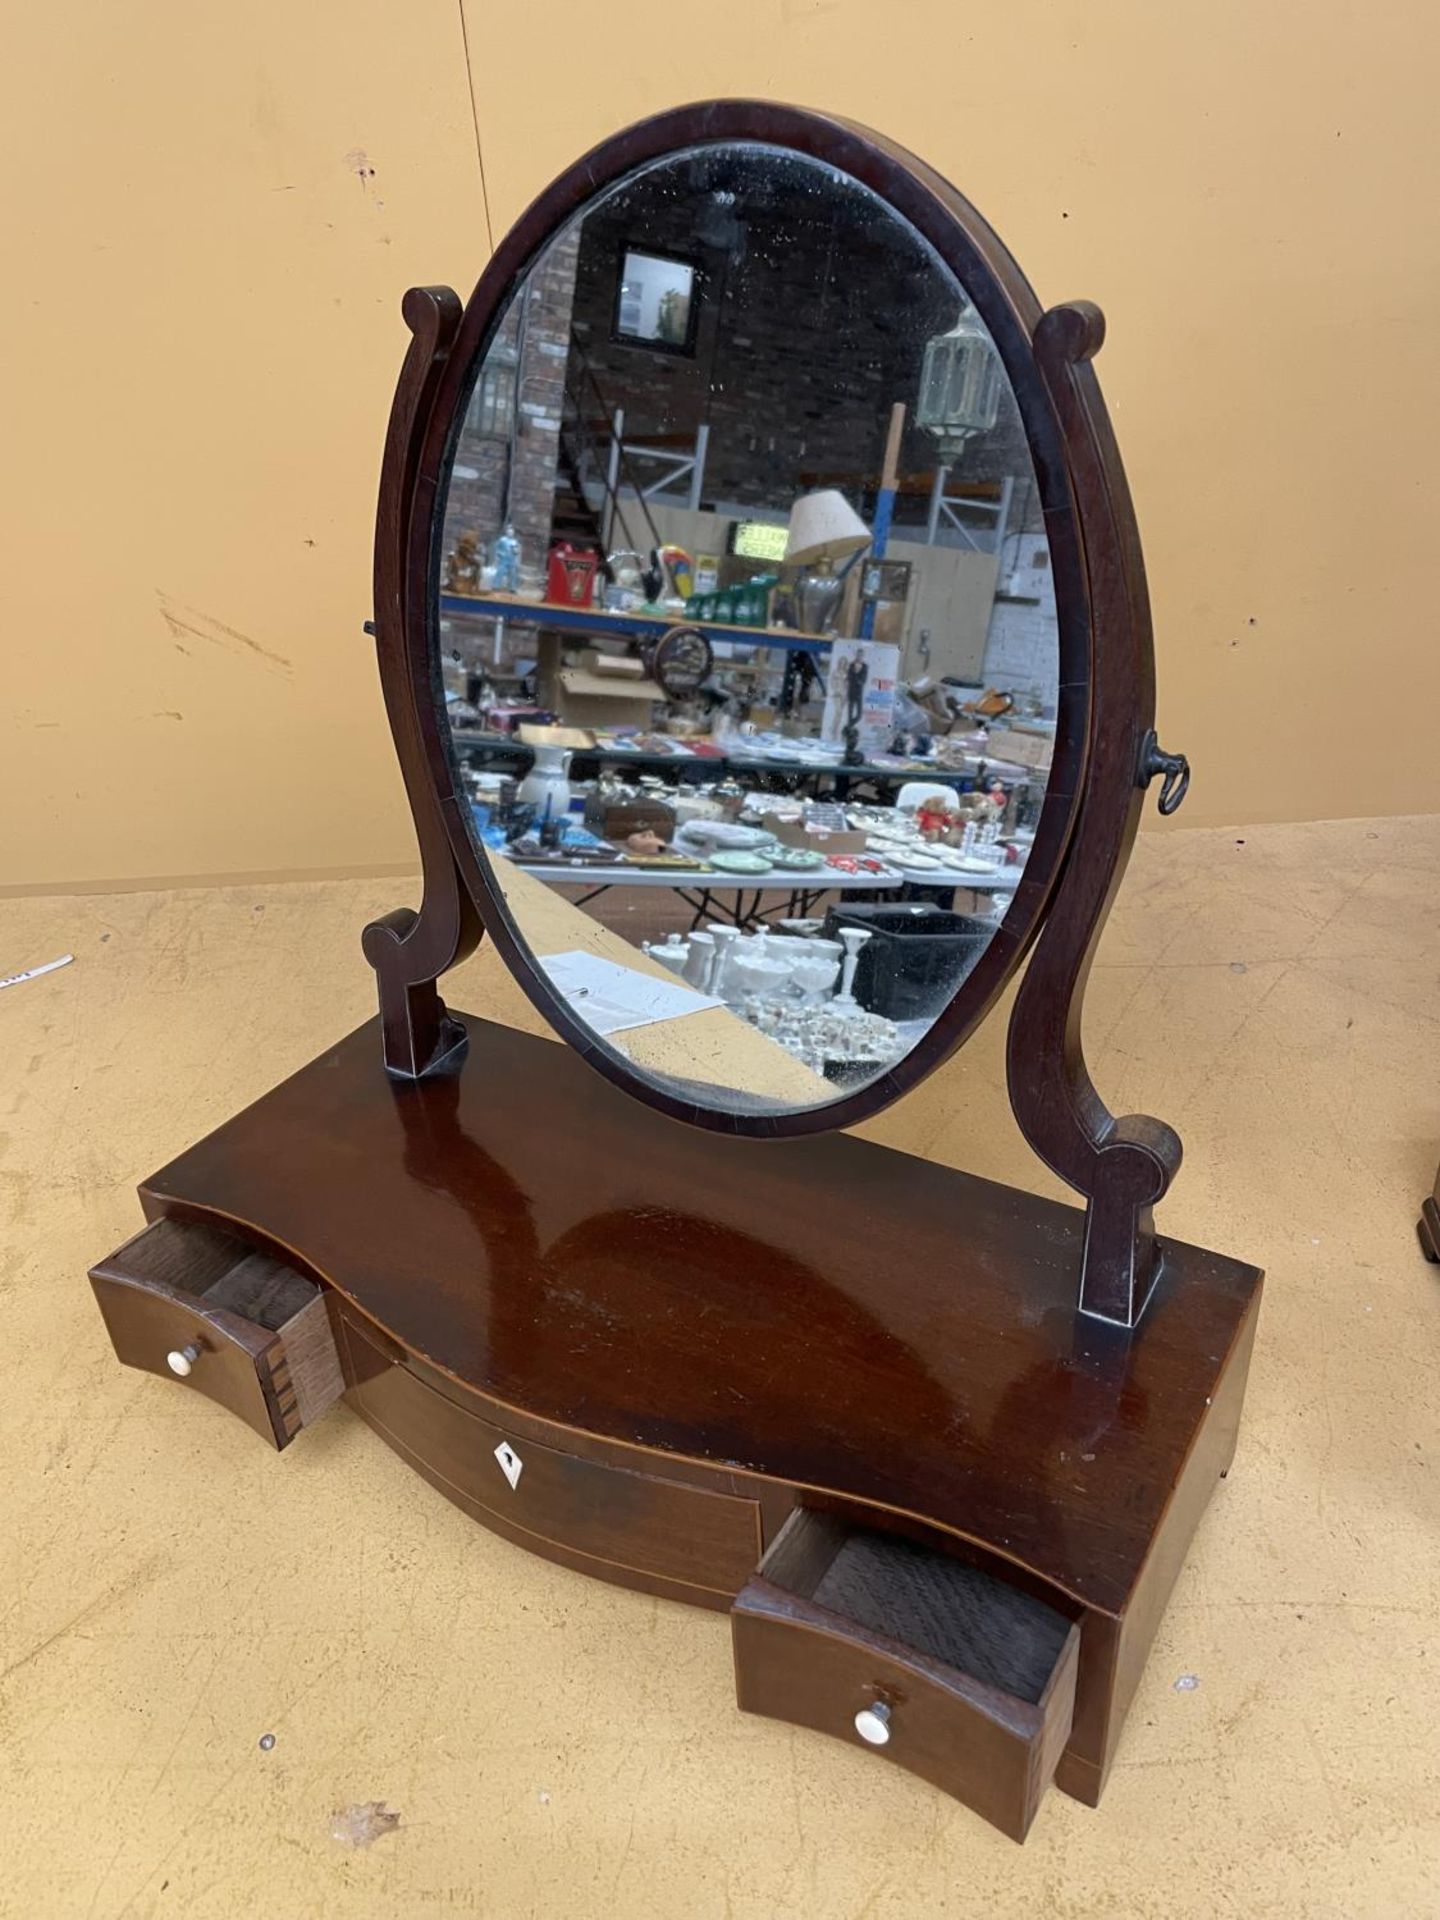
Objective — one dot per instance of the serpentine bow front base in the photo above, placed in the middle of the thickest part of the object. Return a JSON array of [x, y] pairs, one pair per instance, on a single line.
[[839, 1391]]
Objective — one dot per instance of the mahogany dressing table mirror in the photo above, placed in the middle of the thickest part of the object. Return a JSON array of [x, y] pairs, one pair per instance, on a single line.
[[749, 418]]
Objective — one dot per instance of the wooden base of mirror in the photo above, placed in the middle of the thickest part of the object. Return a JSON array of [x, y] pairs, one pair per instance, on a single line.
[[1428, 1225], [840, 1391]]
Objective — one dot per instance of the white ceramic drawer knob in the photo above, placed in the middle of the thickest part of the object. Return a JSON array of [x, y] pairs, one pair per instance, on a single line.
[[873, 1724], [182, 1359]]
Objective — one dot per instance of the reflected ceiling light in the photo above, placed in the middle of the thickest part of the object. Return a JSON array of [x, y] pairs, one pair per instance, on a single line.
[[959, 385]]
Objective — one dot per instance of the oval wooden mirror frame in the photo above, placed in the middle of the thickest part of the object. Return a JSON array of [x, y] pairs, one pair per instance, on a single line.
[[1105, 750]]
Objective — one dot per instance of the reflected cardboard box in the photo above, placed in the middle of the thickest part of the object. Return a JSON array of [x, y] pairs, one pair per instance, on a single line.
[[1032, 751], [795, 833]]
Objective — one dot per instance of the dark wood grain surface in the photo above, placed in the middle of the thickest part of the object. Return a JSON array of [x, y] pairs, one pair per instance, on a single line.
[[822, 1311]]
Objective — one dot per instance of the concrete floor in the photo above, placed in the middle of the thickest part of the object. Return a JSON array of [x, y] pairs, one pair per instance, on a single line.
[[172, 1591]]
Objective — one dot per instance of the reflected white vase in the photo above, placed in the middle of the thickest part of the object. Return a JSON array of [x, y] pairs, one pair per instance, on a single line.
[[720, 981], [700, 961], [548, 780]]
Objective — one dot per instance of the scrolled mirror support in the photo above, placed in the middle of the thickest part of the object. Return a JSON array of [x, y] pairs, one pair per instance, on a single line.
[[1123, 1165], [410, 950]]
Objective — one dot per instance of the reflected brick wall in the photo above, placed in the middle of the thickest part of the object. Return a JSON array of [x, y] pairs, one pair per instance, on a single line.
[[808, 330], [511, 473]]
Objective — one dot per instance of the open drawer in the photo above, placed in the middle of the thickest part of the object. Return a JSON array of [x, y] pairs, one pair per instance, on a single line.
[[196, 1306], [933, 1664]]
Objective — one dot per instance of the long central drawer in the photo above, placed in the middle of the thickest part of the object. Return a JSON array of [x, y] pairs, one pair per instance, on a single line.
[[638, 1529]]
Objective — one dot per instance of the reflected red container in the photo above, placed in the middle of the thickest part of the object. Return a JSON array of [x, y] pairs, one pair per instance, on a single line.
[[570, 579]]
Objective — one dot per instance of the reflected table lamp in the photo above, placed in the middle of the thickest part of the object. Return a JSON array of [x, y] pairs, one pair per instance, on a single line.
[[824, 529]]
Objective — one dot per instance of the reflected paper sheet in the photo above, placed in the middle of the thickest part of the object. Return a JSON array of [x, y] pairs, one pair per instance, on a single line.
[[610, 997]]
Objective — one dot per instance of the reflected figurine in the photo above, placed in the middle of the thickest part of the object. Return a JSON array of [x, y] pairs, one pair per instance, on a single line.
[[857, 673], [462, 565]]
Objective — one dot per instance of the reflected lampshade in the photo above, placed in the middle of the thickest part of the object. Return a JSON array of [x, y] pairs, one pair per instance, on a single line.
[[824, 526]]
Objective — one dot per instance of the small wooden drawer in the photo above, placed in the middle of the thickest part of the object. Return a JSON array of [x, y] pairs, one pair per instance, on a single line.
[[204, 1311], [934, 1664]]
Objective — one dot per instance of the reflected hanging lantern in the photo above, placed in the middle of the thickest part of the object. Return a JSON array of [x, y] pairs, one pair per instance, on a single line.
[[492, 408], [959, 385]]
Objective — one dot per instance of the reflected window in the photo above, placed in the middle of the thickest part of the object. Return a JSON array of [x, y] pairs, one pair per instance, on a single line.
[[656, 299]]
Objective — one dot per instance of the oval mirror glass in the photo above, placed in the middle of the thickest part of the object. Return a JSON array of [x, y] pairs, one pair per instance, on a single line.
[[747, 624]]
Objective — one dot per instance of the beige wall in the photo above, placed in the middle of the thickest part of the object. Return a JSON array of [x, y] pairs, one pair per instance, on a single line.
[[202, 311]]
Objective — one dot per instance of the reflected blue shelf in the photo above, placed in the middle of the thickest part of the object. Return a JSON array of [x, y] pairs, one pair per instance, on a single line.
[[622, 626]]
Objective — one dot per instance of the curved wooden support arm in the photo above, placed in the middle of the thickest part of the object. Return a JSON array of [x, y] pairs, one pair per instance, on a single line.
[[1122, 1166], [410, 950]]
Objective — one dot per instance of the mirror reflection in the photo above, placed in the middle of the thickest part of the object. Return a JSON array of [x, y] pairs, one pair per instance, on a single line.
[[747, 626]]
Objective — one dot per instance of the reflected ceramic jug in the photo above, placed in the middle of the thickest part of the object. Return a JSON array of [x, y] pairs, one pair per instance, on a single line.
[[548, 781], [674, 954]]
